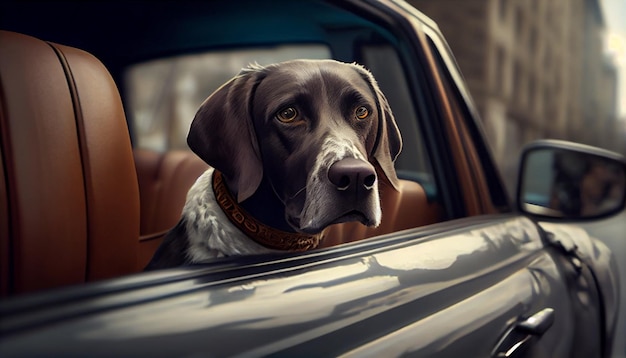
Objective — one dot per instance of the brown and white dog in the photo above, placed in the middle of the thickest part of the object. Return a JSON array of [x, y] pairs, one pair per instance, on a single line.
[[294, 147]]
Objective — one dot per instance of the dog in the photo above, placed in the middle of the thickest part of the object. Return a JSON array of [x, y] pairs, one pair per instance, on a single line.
[[293, 148]]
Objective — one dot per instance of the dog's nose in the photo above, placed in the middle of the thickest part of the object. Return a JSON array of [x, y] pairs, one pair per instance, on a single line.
[[352, 173]]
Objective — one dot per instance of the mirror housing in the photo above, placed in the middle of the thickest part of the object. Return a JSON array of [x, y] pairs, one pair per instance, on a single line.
[[571, 181]]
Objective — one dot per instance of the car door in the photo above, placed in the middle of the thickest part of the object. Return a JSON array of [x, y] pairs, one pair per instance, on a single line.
[[461, 288]]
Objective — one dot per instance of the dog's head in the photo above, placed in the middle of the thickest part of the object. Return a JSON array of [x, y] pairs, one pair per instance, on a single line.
[[320, 131]]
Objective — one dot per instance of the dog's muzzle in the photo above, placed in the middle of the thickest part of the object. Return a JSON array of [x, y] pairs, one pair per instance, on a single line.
[[355, 196], [346, 190]]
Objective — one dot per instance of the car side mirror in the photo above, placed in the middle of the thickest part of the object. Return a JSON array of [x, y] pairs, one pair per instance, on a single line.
[[559, 179]]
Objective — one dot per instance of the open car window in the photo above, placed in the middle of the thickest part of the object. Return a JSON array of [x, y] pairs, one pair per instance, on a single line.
[[163, 95]]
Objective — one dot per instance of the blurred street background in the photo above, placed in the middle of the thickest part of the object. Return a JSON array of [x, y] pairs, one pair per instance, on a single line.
[[540, 69]]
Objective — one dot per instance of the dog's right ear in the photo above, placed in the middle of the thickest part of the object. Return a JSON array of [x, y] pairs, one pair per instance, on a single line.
[[388, 141], [222, 133]]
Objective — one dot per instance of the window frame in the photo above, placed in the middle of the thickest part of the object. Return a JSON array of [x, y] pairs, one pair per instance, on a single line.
[[485, 173]]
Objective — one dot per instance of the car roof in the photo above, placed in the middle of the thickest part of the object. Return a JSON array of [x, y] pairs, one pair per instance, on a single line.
[[125, 32]]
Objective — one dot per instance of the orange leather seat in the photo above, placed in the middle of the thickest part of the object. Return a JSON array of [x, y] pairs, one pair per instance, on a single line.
[[69, 199], [164, 179]]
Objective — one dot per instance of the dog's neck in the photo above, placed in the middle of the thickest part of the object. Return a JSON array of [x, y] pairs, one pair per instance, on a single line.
[[256, 217]]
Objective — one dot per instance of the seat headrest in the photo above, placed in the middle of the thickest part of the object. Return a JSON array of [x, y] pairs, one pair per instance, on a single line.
[[69, 202]]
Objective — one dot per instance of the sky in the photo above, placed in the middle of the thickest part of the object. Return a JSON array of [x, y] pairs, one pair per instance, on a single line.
[[615, 45]]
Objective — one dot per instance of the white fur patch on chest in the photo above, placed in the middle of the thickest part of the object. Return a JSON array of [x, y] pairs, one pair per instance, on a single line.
[[209, 231]]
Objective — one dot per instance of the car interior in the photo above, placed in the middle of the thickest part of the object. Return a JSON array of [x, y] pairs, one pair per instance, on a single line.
[[84, 199]]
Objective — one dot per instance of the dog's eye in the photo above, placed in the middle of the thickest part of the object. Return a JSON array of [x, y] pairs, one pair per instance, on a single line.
[[361, 112], [287, 115]]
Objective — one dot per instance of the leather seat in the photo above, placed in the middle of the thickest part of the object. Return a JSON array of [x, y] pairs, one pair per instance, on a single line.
[[164, 179], [69, 199]]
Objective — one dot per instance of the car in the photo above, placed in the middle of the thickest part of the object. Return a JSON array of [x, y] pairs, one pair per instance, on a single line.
[[457, 268]]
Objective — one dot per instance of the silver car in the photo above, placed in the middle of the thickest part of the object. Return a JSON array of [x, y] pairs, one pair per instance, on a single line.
[[472, 274]]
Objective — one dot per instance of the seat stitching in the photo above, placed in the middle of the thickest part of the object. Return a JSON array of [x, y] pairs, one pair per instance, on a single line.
[[80, 129]]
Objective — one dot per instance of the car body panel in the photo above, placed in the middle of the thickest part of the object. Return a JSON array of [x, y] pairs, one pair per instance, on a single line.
[[432, 283], [599, 257]]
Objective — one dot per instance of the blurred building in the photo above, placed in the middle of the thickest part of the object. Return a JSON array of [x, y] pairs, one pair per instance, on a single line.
[[536, 69]]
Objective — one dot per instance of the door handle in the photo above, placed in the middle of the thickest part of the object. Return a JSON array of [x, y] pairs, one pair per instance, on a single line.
[[538, 323], [517, 339]]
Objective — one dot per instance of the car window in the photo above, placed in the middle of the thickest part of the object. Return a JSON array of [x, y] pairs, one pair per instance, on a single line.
[[163, 95]]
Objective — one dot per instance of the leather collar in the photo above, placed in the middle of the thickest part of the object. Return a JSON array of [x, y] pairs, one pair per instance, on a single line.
[[256, 230]]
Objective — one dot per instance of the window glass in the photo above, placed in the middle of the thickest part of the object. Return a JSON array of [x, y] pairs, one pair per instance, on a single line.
[[163, 95]]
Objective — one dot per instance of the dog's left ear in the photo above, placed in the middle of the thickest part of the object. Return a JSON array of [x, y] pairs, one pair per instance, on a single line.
[[388, 142]]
